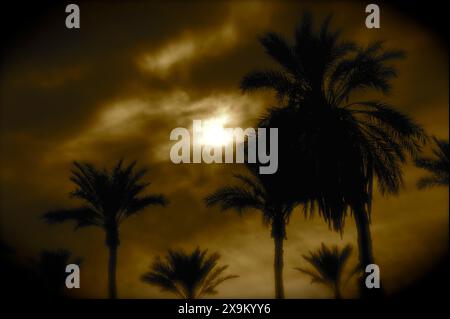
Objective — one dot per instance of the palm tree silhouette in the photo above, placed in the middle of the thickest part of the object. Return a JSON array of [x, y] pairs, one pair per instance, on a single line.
[[336, 144], [189, 276], [260, 192], [329, 264], [111, 196], [51, 269], [438, 167]]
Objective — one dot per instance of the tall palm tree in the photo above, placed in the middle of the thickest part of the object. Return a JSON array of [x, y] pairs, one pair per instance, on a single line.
[[337, 144], [438, 167], [110, 197], [261, 193], [329, 264], [189, 276]]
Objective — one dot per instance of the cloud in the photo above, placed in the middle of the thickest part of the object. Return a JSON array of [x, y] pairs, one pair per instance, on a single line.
[[187, 47]]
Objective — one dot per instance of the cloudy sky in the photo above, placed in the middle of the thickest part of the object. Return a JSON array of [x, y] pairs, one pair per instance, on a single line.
[[133, 72]]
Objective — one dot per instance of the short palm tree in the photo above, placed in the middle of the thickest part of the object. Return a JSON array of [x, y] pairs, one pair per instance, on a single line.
[[438, 167], [189, 276], [338, 144], [110, 197], [328, 264], [261, 193]]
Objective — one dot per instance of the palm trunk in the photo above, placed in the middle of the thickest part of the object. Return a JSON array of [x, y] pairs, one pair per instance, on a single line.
[[337, 292], [278, 234], [365, 252], [112, 265], [278, 268], [112, 242]]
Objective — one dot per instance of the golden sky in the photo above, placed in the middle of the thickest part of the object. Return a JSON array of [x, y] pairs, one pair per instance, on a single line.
[[133, 72]]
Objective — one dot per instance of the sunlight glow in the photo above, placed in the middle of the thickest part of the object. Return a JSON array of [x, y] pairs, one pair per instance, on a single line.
[[214, 133]]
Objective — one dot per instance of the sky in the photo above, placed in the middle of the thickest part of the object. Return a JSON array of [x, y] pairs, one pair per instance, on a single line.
[[117, 86]]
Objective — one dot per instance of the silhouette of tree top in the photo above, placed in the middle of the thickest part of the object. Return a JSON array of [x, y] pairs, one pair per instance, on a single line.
[[110, 197], [333, 143], [329, 264], [187, 275], [269, 195], [438, 166]]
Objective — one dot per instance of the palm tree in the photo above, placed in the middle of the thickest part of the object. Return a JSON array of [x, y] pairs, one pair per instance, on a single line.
[[329, 264], [189, 276], [338, 145], [51, 269], [438, 167], [260, 192], [111, 196]]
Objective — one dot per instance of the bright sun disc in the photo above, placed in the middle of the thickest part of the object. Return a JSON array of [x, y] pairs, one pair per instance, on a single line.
[[214, 132]]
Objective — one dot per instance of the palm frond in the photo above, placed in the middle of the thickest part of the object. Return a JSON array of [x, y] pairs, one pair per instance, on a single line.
[[136, 205], [83, 217], [234, 197], [269, 79], [328, 264], [280, 50], [188, 275], [438, 166], [111, 195]]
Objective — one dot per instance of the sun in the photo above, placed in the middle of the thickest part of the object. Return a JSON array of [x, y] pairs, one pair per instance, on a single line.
[[214, 133]]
